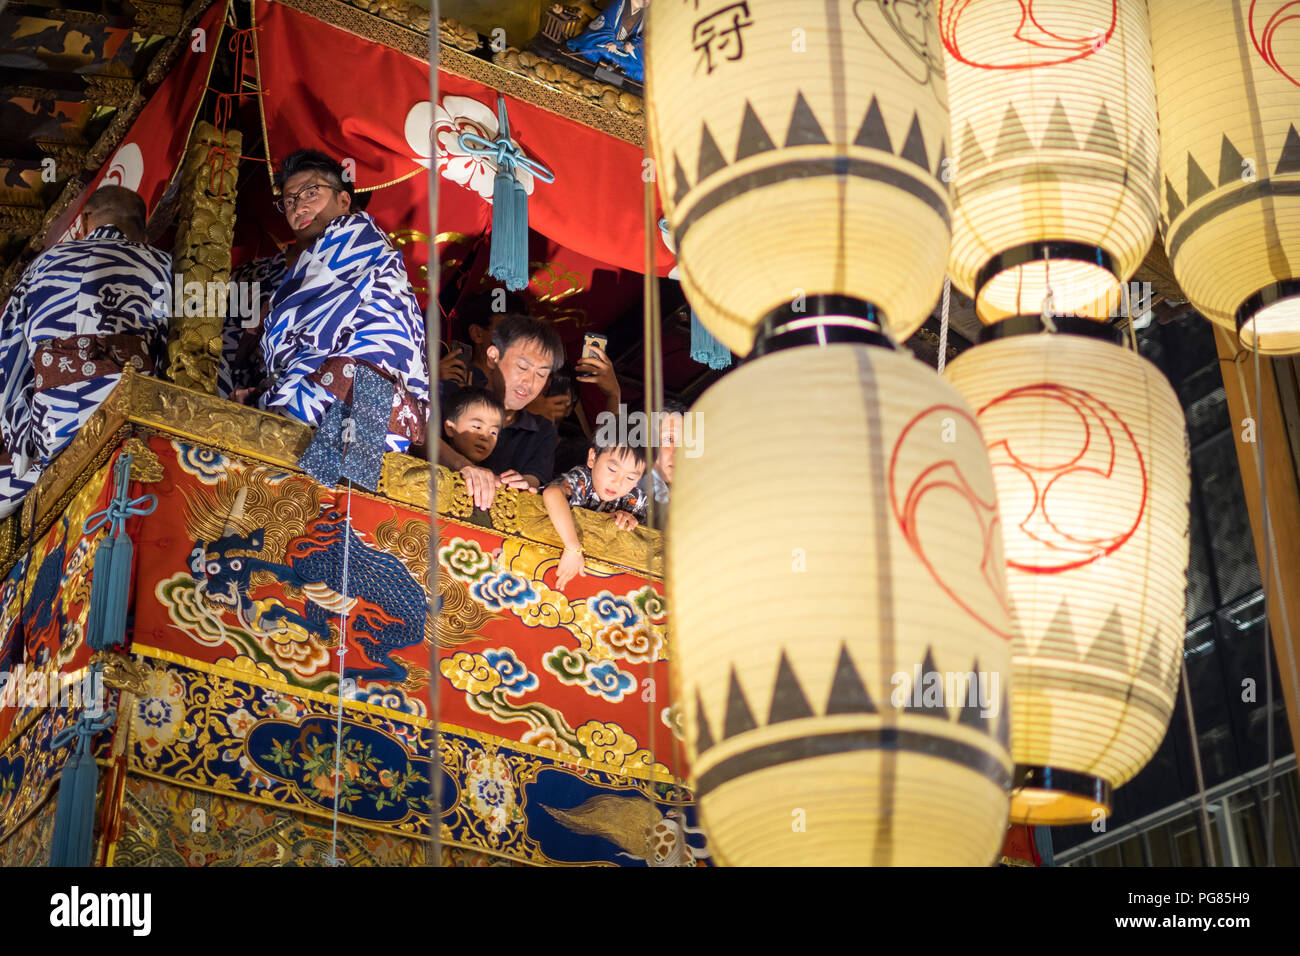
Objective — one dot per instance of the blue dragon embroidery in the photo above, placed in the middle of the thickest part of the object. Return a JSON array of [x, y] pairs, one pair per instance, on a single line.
[[386, 606]]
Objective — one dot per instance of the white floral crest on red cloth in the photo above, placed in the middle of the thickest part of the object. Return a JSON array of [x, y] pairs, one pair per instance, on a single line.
[[453, 116]]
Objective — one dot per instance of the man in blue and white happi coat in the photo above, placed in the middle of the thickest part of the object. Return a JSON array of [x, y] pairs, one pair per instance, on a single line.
[[83, 311], [345, 299]]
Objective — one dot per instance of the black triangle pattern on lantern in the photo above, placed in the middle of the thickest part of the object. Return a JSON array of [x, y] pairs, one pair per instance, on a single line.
[[917, 704], [711, 159], [873, 133], [1058, 640], [1102, 138], [969, 713], [1156, 669], [1176, 206], [914, 146], [1107, 649], [1232, 171], [848, 694], [1198, 184], [739, 718], [681, 185], [788, 699], [704, 735], [971, 157], [1230, 164], [753, 136], [1012, 138], [1289, 161], [804, 129], [1059, 134]]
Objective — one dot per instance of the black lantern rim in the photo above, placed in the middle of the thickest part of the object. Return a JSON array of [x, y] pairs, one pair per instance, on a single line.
[[1259, 301], [1044, 249], [1066, 783], [1065, 325], [820, 320]]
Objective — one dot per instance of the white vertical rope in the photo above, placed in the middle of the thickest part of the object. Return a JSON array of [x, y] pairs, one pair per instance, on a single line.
[[342, 654], [1128, 310], [943, 323], [1049, 297], [432, 336], [1211, 856]]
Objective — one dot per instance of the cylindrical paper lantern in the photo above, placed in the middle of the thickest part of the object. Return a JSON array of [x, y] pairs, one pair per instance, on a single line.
[[1054, 179], [1089, 452], [799, 151], [834, 544], [1228, 83]]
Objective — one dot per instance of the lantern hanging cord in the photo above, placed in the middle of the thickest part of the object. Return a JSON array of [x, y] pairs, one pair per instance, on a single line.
[[1049, 297], [943, 323], [1128, 311], [1270, 575], [1196, 762]]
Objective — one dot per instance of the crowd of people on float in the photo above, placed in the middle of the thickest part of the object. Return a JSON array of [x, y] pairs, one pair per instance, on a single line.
[[336, 298]]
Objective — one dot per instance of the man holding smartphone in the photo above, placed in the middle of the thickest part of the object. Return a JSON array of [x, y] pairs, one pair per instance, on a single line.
[[595, 368], [523, 352]]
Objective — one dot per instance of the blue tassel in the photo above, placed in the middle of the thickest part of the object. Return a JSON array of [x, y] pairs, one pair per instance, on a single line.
[[73, 840], [504, 261], [119, 592], [110, 586], [508, 259], [521, 233], [99, 587], [706, 349]]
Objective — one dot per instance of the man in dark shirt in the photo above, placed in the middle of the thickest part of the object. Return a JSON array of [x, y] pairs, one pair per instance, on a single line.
[[523, 352]]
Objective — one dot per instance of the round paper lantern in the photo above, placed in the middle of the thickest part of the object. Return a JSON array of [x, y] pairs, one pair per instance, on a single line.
[[1228, 83], [1054, 179], [1089, 453], [799, 152], [834, 544]]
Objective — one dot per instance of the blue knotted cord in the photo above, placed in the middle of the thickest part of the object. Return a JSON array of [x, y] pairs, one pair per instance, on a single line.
[[508, 260], [72, 842], [110, 585]]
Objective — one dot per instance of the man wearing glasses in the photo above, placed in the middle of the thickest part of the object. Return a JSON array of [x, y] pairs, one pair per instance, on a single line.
[[338, 297]]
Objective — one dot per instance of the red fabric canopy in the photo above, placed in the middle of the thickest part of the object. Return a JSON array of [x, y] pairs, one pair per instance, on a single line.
[[357, 100]]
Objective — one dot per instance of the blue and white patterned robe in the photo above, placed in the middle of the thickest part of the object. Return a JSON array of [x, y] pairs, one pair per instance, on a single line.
[[241, 366], [103, 284], [349, 296]]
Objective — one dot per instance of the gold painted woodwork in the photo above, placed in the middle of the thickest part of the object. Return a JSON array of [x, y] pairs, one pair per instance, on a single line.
[[1283, 487], [142, 405], [202, 253], [413, 41]]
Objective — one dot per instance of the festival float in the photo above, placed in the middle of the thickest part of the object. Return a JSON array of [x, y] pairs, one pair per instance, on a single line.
[[276, 687]]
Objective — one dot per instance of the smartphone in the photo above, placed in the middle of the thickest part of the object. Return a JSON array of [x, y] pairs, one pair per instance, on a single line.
[[590, 339], [466, 352]]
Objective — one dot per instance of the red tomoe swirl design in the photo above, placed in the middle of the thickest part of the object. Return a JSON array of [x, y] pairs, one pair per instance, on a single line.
[[1029, 37], [915, 474], [1263, 36], [1103, 457]]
